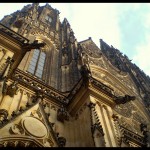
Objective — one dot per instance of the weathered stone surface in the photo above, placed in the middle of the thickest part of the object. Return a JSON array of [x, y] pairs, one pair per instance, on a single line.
[[58, 92]]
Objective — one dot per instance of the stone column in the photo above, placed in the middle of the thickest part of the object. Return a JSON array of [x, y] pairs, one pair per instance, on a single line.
[[117, 129], [9, 95], [110, 125], [3, 75], [6, 68], [107, 126], [62, 115], [57, 21], [96, 128]]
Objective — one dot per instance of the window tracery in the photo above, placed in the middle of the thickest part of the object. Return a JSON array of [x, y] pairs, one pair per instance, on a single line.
[[37, 63]]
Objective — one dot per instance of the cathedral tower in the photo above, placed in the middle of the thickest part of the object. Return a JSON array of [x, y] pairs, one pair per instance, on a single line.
[[58, 92]]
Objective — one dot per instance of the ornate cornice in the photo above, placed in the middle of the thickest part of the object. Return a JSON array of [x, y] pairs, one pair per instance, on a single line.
[[35, 84], [19, 142], [107, 90], [13, 34], [4, 114], [133, 137]]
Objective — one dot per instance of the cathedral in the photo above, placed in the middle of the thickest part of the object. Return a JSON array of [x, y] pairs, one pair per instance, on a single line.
[[56, 91]]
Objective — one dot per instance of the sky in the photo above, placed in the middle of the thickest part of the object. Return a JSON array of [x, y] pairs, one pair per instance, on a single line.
[[125, 26]]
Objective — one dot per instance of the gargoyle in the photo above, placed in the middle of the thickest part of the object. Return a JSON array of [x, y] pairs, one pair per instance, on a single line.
[[124, 99], [85, 73], [34, 45]]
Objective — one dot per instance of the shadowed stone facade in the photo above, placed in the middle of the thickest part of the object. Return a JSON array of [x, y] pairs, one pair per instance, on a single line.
[[58, 92]]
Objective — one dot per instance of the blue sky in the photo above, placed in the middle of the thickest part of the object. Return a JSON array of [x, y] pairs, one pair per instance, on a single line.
[[126, 26]]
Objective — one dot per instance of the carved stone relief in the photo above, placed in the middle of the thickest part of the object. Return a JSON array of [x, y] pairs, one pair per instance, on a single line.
[[12, 89], [62, 114], [91, 49], [109, 82], [124, 123], [48, 142], [19, 143], [130, 111], [125, 109], [124, 78], [138, 117], [17, 129], [136, 126], [34, 127], [3, 116]]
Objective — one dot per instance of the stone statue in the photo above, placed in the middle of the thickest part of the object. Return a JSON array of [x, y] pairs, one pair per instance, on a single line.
[[12, 89], [85, 73], [62, 114]]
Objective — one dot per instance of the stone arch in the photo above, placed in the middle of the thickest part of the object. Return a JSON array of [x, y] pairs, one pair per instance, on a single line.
[[51, 75], [49, 43]]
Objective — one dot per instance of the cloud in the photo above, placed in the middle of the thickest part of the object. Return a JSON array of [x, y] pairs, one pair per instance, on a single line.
[[94, 20], [126, 26], [86, 19], [8, 8], [142, 50], [131, 26], [64, 9], [141, 58], [135, 33]]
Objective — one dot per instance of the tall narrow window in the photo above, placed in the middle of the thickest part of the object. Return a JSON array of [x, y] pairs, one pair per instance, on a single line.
[[48, 18], [37, 63]]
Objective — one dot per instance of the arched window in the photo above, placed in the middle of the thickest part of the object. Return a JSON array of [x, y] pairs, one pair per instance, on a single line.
[[37, 63], [48, 18]]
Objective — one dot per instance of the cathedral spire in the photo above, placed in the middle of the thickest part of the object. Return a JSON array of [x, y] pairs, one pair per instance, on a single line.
[[35, 5]]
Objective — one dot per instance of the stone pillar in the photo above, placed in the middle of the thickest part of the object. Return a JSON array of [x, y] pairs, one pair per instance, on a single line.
[[110, 125], [96, 127], [57, 22], [6, 68], [104, 124], [117, 129], [62, 115], [8, 95], [2, 88], [108, 128], [3, 74]]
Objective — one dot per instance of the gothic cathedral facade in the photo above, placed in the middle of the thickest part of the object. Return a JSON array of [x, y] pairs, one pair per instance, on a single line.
[[58, 92]]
